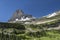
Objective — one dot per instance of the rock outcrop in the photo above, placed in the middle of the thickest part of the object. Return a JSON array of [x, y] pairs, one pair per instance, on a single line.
[[20, 16]]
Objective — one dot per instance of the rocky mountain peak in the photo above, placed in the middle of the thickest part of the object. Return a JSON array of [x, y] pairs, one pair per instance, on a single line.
[[18, 15], [19, 12]]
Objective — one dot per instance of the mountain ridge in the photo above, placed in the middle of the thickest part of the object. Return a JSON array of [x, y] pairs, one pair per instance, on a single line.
[[20, 17]]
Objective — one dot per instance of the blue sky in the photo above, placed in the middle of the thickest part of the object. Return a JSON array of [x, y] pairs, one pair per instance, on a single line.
[[37, 8]]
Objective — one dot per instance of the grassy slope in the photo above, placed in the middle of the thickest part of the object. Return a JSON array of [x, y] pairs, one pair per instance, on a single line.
[[38, 33]]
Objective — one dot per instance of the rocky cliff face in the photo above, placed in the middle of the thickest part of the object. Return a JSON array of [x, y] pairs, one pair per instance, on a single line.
[[19, 15]]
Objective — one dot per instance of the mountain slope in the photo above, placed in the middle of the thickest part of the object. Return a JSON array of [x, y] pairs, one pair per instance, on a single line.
[[49, 18], [20, 16], [53, 14], [17, 31], [38, 29]]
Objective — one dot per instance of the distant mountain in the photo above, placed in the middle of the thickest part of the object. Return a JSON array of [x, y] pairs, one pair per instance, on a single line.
[[48, 18], [19, 16], [53, 14]]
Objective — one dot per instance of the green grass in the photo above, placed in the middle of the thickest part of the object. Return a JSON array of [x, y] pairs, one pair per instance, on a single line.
[[21, 32]]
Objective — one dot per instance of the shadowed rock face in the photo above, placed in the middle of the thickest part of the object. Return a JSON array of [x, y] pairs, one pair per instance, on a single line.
[[18, 15]]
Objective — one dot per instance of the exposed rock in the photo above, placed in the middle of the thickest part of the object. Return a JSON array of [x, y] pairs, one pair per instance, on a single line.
[[20, 16]]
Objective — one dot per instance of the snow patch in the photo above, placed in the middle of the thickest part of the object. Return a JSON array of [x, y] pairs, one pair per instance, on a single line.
[[23, 19], [51, 15]]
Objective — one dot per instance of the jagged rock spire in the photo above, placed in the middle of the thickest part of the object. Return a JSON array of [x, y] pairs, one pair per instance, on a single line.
[[17, 14]]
